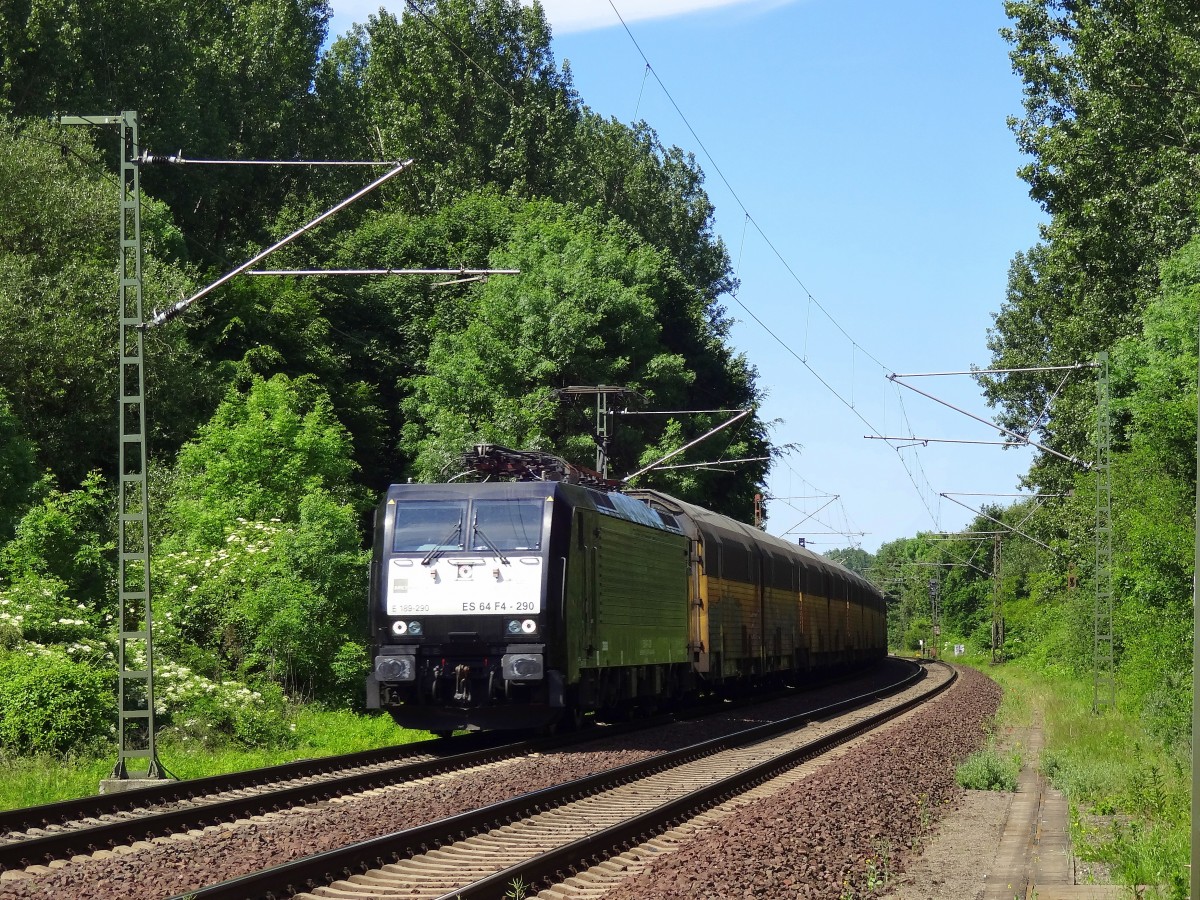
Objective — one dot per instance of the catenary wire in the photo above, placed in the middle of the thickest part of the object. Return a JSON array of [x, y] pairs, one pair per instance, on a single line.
[[749, 218]]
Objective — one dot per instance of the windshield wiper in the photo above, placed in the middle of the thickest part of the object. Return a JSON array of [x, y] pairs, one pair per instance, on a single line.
[[488, 541], [440, 547]]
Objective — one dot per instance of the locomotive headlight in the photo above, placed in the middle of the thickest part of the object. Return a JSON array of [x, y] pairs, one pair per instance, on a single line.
[[414, 628], [399, 627], [529, 626], [514, 626], [522, 666], [395, 668]]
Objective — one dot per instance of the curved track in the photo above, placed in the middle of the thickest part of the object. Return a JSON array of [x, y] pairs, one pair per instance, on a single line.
[[41, 835], [552, 832]]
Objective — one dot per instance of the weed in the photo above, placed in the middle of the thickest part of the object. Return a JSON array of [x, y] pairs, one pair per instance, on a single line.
[[924, 823], [879, 868], [989, 770], [517, 889]]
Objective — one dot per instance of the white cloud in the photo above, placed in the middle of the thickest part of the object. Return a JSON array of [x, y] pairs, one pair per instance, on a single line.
[[564, 15], [584, 15]]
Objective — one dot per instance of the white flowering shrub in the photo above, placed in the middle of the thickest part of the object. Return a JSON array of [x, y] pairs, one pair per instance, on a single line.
[[190, 707], [57, 604], [57, 671], [274, 600], [262, 576], [258, 580], [41, 608]]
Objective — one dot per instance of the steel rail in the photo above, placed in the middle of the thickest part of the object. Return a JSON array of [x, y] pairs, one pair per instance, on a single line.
[[451, 753], [450, 756], [105, 835], [329, 866], [562, 862], [23, 818]]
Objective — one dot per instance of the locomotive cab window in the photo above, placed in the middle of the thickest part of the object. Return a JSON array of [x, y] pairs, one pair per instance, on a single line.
[[507, 525], [423, 525]]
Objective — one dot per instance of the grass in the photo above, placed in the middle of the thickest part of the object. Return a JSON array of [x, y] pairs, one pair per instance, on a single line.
[[30, 781], [34, 780], [1129, 795], [989, 770]]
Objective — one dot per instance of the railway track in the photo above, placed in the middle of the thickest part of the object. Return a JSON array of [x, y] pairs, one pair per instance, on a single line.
[[73, 829], [551, 833], [41, 834]]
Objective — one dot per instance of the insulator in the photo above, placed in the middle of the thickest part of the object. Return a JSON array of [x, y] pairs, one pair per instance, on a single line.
[[149, 159]]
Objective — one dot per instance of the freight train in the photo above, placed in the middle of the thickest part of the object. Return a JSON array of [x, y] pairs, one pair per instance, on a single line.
[[518, 604]]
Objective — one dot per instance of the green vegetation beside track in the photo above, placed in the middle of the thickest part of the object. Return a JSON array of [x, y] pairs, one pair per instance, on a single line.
[[1128, 792], [46, 778]]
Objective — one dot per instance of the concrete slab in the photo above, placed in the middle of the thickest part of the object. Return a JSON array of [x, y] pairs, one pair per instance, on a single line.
[[120, 785]]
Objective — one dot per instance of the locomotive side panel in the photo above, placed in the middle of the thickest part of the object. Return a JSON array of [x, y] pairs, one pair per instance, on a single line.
[[698, 607], [641, 595]]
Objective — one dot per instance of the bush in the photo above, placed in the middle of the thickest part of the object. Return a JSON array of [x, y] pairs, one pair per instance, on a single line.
[[275, 601], [41, 609], [18, 469], [192, 708], [51, 703], [988, 770], [261, 574], [67, 538], [348, 674]]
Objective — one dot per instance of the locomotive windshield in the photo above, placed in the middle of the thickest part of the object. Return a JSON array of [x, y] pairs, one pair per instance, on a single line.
[[507, 525], [429, 525]]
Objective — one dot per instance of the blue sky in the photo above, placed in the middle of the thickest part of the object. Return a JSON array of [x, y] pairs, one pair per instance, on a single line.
[[867, 141]]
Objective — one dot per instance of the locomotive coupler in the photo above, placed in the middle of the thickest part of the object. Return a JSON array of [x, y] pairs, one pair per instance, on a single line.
[[462, 683]]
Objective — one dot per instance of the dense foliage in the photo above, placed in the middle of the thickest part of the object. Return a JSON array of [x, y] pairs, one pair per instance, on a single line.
[[278, 408], [1111, 130]]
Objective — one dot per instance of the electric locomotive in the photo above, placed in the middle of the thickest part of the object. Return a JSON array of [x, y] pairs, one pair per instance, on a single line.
[[485, 600], [514, 604]]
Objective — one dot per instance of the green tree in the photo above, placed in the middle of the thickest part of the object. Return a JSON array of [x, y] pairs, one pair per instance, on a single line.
[[261, 572], [1111, 127], [224, 80], [67, 537], [469, 88], [1154, 497], [586, 309], [856, 559], [490, 133], [1155, 371], [58, 306], [659, 191], [263, 451], [18, 469]]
